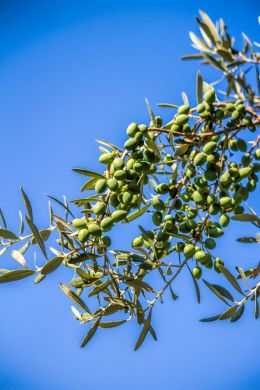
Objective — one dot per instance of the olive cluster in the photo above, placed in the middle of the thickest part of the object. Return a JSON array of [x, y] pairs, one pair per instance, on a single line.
[[208, 182]]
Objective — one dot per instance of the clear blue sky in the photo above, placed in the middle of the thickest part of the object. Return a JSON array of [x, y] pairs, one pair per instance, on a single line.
[[71, 71]]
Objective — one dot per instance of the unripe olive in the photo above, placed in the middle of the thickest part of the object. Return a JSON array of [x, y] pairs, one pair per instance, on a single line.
[[99, 208], [219, 114], [239, 210], [120, 174], [162, 188], [186, 128], [210, 243], [230, 107], [106, 223], [210, 174], [143, 128], [246, 159], [158, 204], [94, 229], [245, 172], [257, 154], [112, 184], [79, 223], [190, 171], [127, 197], [138, 167], [138, 136], [113, 200], [200, 159], [106, 241], [100, 186], [215, 232], [119, 215], [132, 129], [130, 144], [201, 107], [83, 235], [241, 144], [209, 147], [176, 128], [224, 220], [225, 202], [106, 158], [185, 109], [157, 218], [213, 209], [213, 158], [192, 213], [198, 197], [225, 178], [197, 272], [212, 199], [181, 119], [210, 96], [118, 163], [235, 114], [189, 250], [137, 242]]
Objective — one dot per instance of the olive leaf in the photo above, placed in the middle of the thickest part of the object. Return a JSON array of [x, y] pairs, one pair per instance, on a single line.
[[12, 276], [51, 265], [4, 233], [144, 331], [37, 236], [91, 332], [27, 204]]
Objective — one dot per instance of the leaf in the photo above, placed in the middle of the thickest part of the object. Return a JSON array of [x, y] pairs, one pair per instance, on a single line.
[[199, 88], [167, 105], [223, 291], [210, 319], [192, 57], [21, 223], [111, 324], [91, 332], [228, 313], [136, 214], [37, 235], [45, 234], [89, 185], [140, 284], [19, 258], [144, 331], [27, 204], [216, 292], [82, 201], [74, 297], [212, 28], [39, 278], [196, 286], [181, 150], [100, 288], [231, 278], [198, 43], [12, 276], [238, 314], [245, 218], [51, 265], [3, 219], [89, 277], [247, 240], [4, 233], [256, 313], [150, 111], [174, 296], [61, 204], [115, 148], [86, 172], [152, 146], [185, 98], [215, 63], [243, 275]]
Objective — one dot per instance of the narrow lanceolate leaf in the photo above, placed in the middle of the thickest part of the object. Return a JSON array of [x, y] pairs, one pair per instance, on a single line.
[[51, 265], [2, 218], [21, 223], [256, 305], [197, 290], [4, 233], [181, 150], [144, 331], [199, 88], [45, 234], [136, 214], [248, 240], [212, 28], [231, 279], [89, 185], [152, 116], [61, 204], [37, 235], [216, 64], [86, 172], [91, 332], [100, 288], [228, 313], [12, 276], [245, 218], [198, 43], [216, 292], [140, 284], [27, 204], [39, 278], [210, 319], [235, 317], [74, 297], [17, 256], [243, 276], [114, 147], [167, 105], [111, 324], [223, 291], [185, 98]]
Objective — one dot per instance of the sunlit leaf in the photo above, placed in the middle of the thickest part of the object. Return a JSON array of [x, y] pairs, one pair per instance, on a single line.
[[12, 276], [27, 204], [51, 265], [144, 331]]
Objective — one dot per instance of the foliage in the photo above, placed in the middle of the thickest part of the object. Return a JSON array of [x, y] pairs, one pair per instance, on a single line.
[[190, 175]]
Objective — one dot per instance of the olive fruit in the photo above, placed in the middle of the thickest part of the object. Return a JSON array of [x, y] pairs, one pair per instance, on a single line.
[[99, 208], [210, 96], [94, 229], [83, 235], [106, 158], [197, 272], [79, 223], [189, 250], [181, 119], [106, 223], [112, 184], [100, 186], [106, 241], [158, 204], [137, 242], [185, 109], [200, 159], [132, 129], [118, 215], [210, 243]]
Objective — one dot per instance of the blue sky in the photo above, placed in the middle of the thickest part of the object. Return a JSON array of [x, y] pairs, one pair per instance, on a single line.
[[71, 72]]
